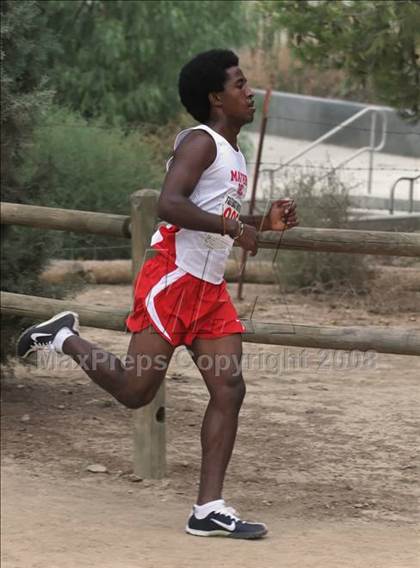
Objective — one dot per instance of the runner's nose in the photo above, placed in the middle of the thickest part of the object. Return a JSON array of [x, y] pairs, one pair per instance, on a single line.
[[249, 93]]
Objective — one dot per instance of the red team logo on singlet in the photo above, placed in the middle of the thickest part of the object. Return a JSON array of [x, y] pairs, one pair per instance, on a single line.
[[241, 179], [231, 206]]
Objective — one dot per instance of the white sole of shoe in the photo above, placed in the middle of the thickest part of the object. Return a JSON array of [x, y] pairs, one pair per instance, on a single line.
[[196, 532], [225, 534]]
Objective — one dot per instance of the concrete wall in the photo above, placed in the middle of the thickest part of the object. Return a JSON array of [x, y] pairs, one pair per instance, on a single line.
[[308, 118]]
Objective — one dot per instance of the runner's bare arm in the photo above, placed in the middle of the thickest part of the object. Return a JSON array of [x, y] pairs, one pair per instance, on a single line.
[[194, 155], [260, 222], [281, 216]]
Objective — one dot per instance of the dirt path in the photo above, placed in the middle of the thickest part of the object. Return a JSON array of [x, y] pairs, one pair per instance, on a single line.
[[52, 523], [327, 456]]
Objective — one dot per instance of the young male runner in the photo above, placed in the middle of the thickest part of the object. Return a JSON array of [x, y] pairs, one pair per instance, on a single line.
[[180, 294]]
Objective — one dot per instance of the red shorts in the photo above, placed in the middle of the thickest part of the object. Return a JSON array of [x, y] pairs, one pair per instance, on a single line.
[[180, 306]]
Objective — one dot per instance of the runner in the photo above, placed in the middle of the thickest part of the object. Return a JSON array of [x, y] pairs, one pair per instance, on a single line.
[[180, 295]]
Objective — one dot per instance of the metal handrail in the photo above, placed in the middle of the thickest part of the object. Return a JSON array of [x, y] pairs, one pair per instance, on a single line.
[[411, 180], [371, 148]]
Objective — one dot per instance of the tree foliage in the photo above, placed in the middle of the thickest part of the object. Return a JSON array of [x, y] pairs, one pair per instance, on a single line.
[[120, 59], [377, 44], [25, 46], [24, 50]]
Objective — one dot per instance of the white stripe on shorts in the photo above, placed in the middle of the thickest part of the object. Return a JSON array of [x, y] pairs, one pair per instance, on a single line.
[[163, 283]]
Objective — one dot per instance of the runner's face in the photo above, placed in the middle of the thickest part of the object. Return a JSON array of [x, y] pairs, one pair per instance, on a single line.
[[237, 98]]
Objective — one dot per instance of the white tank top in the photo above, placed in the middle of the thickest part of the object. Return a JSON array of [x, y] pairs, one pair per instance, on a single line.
[[220, 190]]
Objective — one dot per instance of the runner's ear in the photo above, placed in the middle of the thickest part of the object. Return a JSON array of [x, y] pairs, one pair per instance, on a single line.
[[215, 99]]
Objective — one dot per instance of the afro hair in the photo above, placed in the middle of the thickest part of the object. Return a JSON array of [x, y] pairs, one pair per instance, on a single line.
[[204, 74]]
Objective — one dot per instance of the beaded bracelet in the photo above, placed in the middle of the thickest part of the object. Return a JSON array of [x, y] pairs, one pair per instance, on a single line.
[[241, 230]]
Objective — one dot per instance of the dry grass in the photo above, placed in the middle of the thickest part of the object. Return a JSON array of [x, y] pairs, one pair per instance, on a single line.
[[390, 290], [394, 289]]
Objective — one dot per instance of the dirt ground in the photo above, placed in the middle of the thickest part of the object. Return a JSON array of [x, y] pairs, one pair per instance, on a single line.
[[326, 455]]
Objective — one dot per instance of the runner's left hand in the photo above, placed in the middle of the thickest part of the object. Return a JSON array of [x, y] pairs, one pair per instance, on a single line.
[[282, 215]]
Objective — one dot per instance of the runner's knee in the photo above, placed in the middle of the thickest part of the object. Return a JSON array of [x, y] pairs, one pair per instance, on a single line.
[[135, 399], [139, 391], [229, 392]]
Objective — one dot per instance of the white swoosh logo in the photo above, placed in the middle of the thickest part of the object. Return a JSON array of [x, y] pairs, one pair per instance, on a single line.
[[34, 336], [230, 527]]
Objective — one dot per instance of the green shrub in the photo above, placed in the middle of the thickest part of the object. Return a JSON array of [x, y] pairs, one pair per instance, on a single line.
[[321, 202], [74, 164]]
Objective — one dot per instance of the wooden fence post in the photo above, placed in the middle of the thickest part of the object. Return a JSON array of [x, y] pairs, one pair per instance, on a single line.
[[149, 421]]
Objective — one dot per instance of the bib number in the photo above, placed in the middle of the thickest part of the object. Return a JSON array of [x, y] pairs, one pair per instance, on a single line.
[[231, 208]]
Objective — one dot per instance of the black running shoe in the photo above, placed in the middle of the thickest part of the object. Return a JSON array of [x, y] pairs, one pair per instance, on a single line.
[[41, 336], [224, 521]]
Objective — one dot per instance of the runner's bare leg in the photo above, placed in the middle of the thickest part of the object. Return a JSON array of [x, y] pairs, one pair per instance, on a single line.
[[135, 383], [226, 387]]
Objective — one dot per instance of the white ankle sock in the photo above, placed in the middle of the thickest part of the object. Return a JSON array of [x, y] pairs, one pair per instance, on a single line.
[[60, 338], [201, 511]]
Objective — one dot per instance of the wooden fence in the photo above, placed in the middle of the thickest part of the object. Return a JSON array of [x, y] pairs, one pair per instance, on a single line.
[[305, 238], [149, 424]]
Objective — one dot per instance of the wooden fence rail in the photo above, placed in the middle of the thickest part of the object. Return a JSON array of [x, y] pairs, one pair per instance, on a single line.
[[383, 340], [300, 238], [343, 241], [65, 220]]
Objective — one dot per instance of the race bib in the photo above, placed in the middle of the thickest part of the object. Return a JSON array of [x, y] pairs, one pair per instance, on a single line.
[[231, 208]]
